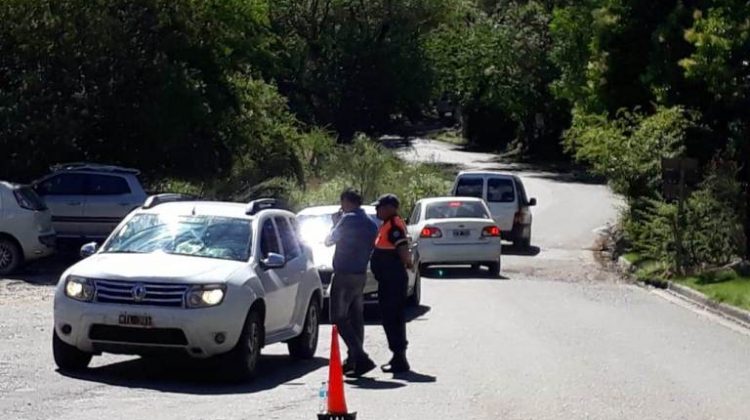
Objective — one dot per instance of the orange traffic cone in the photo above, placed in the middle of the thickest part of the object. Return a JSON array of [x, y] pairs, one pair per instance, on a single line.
[[336, 399]]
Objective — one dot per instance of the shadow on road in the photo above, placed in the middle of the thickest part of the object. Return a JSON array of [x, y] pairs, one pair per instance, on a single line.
[[185, 377], [372, 383], [460, 273], [373, 316], [414, 377], [531, 251], [571, 177]]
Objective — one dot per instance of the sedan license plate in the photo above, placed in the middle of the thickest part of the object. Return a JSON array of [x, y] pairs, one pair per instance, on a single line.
[[135, 320], [460, 233]]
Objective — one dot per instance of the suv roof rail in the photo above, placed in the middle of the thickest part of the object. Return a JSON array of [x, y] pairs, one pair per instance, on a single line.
[[260, 204], [88, 166], [155, 200]]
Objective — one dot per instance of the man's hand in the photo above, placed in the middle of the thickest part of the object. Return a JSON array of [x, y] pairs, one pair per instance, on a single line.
[[336, 217]]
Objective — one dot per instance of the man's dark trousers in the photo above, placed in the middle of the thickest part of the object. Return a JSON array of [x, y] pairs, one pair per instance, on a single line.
[[347, 305], [393, 284]]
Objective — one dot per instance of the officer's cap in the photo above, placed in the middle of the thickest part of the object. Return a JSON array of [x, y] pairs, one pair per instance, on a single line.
[[387, 200]]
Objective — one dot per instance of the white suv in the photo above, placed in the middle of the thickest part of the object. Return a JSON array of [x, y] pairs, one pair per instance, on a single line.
[[207, 279], [26, 230]]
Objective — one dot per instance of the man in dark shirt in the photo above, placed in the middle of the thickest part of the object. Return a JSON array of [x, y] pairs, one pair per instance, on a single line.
[[354, 236], [390, 260]]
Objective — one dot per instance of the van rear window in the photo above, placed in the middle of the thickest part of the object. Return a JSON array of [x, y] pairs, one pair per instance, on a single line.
[[470, 187], [500, 190]]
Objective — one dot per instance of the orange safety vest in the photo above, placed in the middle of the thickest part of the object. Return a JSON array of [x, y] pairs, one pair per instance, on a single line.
[[389, 238]]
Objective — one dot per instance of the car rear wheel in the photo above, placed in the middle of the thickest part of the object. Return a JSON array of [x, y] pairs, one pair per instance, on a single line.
[[416, 295], [10, 256], [241, 362], [494, 269], [68, 357], [304, 345]]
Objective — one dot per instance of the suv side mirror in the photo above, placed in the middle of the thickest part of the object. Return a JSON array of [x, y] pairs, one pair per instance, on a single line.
[[273, 260], [532, 202], [89, 249]]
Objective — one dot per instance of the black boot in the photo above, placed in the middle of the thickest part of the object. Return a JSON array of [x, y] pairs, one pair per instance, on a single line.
[[398, 364]]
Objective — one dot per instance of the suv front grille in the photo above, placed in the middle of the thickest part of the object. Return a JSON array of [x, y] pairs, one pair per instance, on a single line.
[[325, 276], [140, 293], [162, 336]]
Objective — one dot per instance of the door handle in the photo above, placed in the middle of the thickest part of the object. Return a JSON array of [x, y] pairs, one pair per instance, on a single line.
[[74, 203]]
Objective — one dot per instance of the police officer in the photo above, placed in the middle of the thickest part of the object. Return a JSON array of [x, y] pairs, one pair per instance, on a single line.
[[390, 260]]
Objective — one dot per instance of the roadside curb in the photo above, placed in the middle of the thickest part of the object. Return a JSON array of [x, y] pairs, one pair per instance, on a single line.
[[736, 314]]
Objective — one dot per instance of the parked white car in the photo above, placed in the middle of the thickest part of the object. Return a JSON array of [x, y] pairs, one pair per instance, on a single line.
[[506, 197], [207, 279], [89, 200], [26, 232], [315, 225], [456, 230]]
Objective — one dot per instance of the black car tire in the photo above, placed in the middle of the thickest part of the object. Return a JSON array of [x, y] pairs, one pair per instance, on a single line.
[[304, 345], [416, 294], [494, 269], [10, 256], [240, 363], [68, 357]]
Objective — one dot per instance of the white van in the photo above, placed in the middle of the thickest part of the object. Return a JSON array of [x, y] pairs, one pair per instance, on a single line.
[[506, 198]]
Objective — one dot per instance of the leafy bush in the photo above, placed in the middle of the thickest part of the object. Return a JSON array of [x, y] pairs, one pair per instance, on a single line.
[[373, 170], [628, 150], [711, 225]]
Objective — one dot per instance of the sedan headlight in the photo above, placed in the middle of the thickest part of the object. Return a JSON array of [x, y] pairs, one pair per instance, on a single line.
[[205, 296], [79, 288]]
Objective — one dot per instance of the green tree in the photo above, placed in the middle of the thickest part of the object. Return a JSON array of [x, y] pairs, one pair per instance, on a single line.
[[170, 87], [494, 59], [351, 64]]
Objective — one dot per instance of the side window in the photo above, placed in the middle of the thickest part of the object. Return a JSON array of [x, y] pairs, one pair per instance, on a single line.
[[470, 187], [416, 214], [500, 190], [269, 241], [288, 238], [63, 184], [108, 185]]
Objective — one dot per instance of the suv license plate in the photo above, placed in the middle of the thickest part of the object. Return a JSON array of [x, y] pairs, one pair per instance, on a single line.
[[135, 320], [460, 233]]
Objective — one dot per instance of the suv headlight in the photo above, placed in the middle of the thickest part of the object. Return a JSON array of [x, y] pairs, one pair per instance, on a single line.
[[79, 288], [204, 296]]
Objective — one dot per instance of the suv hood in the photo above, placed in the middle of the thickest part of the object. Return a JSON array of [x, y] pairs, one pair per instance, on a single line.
[[156, 267]]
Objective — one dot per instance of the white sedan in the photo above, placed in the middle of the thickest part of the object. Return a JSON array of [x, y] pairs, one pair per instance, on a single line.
[[455, 230]]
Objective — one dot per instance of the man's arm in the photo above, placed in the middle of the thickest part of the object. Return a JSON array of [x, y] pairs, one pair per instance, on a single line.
[[398, 238]]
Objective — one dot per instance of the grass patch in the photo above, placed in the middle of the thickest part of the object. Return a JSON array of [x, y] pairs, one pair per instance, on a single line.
[[633, 258], [724, 286]]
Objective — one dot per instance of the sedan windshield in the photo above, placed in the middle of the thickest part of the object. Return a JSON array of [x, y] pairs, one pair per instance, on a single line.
[[456, 209], [199, 236], [315, 228]]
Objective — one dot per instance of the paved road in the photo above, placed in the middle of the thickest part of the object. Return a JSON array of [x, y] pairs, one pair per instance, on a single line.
[[559, 338]]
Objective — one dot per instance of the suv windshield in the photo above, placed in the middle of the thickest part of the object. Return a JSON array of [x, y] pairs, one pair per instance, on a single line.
[[199, 236], [456, 209]]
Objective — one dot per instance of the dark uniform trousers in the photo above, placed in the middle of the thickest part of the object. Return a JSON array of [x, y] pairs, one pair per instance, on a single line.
[[393, 284]]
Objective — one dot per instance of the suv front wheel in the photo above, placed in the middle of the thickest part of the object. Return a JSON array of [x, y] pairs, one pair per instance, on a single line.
[[68, 357], [241, 362], [304, 345]]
